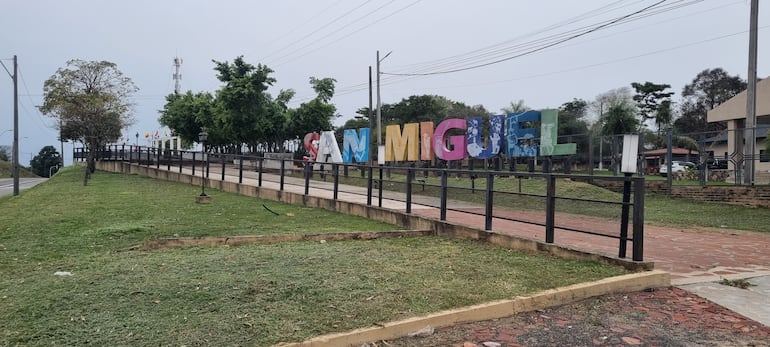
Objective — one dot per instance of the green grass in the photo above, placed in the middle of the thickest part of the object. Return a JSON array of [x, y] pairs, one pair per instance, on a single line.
[[659, 209], [6, 170], [254, 295]]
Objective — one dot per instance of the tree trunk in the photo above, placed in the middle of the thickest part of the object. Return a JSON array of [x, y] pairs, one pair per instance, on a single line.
[[90, 163]]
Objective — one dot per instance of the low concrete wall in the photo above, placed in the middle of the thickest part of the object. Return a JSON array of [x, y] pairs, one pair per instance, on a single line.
[[402, 219]]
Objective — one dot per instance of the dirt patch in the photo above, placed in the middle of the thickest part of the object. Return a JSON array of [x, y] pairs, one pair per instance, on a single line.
[[665, 317]]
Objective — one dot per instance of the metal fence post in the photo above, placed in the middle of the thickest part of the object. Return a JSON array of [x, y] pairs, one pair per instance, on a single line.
[[444, 188], [157, 157], [181, 160], [307, 179], [409, 174], [550, 208], [637, 253], [379, 190], [489, 201], [223, 159], [283, 167], [336, 175], [193, 164], [624, 216], [369, 180], [259, 167], [240, 169]]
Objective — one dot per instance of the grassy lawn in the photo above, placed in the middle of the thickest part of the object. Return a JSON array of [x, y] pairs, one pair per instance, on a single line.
[[224, 296], [659, 209]]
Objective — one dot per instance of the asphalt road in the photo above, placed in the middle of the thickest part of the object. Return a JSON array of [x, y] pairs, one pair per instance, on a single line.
[[6, 184]]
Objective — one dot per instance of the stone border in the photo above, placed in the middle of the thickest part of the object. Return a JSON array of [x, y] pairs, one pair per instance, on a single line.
[[492, 310]]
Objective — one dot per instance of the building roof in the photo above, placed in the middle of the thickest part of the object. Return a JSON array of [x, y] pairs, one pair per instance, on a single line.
[[674, 151], [735, 107]]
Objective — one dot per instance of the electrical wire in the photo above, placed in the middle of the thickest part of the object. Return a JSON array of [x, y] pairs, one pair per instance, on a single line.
[[352, 33], [324, 26], [534, 50]]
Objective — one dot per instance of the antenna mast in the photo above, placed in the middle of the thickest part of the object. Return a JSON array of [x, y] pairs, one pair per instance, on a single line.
[[177, 75]]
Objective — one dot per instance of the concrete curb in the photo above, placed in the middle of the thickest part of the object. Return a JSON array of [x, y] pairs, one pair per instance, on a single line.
[[492, 310]]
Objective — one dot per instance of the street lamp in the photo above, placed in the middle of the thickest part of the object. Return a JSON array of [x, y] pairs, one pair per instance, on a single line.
[[137, 140], [202, 137]]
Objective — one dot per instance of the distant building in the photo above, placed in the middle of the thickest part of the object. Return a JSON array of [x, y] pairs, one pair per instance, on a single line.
[[733, 111]]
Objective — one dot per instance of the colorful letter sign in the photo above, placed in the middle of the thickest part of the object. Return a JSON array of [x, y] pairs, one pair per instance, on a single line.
[[526, 134]]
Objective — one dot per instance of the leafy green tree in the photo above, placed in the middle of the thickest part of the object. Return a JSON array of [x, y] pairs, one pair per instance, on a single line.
[[247, 113], [649, 99], [5, 153], [317, 114], [573, 127], [709, 89], [188, 114], [515, 107], [90, 100], [620, 119], [47, 158]]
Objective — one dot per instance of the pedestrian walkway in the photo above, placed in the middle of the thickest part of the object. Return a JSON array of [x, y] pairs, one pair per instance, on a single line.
[[691, 255]]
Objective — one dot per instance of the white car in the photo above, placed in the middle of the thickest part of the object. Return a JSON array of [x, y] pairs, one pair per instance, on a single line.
[[676, 167]]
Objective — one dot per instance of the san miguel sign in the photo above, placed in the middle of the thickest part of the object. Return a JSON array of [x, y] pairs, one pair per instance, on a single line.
[[423, 141]]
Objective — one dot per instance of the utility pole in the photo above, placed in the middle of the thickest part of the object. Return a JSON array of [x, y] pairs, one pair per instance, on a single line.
[[15, 126], [379, 111], [751, 97], [371, 118], [177, 75]]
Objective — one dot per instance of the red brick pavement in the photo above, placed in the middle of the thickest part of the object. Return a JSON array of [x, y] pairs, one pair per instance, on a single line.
[[683, 252]]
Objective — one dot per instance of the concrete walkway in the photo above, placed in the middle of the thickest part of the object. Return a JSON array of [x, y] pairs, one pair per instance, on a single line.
[[697, 258]]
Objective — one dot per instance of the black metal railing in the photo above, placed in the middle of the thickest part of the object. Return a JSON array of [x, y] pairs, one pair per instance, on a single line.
[[498, 197]]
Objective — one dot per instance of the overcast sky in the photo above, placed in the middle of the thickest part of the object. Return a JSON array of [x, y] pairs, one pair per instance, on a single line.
[[298, 39]]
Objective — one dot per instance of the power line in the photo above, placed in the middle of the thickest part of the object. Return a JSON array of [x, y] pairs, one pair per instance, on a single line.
[[32, 102], [450, 61], [317, 30], [337, 30], [479, 56], [356, 31], [572, 37]]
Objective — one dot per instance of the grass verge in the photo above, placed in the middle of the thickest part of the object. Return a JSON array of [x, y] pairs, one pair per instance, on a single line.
[[223, 296]]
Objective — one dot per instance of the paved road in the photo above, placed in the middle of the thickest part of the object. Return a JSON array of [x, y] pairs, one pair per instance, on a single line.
[[6, 184]]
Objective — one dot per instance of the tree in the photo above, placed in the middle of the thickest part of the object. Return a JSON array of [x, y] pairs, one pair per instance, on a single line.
[[317, 114], [90, 100], [650, 97], [188, 114], [515, 107], [47, 158], [247, 112], [572, 122], [620, 119], [709, 89], [5, 153]]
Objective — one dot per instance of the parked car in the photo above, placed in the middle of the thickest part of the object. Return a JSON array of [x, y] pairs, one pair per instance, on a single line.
[[676, 167], [717, 164]]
